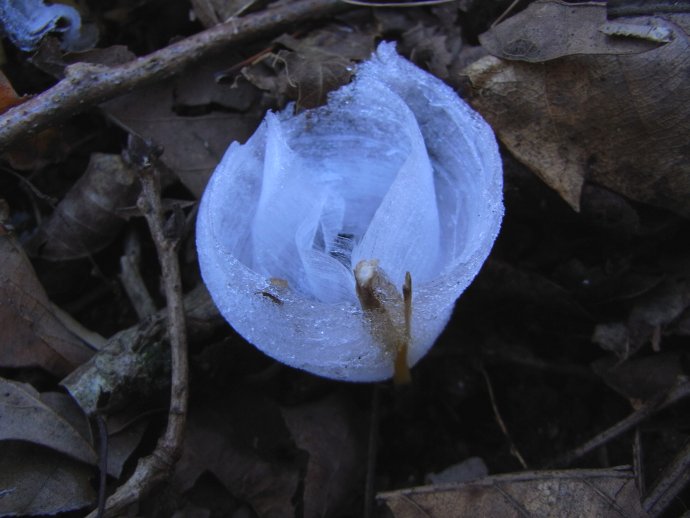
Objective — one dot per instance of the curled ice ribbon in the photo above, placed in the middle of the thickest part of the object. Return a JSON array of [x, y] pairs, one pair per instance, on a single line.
[[337, 240]]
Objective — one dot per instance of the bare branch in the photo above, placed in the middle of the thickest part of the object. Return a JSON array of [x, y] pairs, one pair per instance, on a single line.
[[86, 85], [158, 466]]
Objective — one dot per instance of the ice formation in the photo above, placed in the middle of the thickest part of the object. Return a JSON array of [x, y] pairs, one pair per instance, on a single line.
[[395, 170], [26, 22]]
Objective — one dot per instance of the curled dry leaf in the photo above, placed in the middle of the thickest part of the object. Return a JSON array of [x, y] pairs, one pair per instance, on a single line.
[[30, 333], [133, 360], [604, 493], [609, 109], [25, 417], [87, 218]]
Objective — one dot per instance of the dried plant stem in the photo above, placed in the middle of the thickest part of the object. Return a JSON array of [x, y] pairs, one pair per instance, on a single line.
[[513, 449], [673, 480], [679, 391], [86, 85], [157, 467]]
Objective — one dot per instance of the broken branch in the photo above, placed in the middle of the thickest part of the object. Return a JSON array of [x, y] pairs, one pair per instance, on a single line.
[[86, 85], [157, 467]]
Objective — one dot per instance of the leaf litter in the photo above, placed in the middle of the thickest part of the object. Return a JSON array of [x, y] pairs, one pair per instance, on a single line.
[[576, 319]]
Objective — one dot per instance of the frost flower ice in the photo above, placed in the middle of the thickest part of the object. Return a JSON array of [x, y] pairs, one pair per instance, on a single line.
[[337, 240]]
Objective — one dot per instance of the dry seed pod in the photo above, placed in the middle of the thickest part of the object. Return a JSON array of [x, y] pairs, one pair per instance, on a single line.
[[395, 171]]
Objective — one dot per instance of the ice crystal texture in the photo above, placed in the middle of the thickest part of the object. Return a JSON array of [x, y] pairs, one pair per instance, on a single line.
[[395, 168]]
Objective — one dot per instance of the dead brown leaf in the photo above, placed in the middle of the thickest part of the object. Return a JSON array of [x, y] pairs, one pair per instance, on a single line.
[[30, 334], [429, 47], [327, 431], [311, 67], [8, 96], [87, 218], [550, 29], [243, 442], [591, 108], [653, 311], [39, 481], [213, 12], [603, 493], [314, 73], [123, 439], [192, 118], [26, 417], [125, 429], [34, 152], [641, 378]]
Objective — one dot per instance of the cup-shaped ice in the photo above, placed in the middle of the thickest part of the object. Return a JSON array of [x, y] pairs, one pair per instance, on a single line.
[[337, 240]]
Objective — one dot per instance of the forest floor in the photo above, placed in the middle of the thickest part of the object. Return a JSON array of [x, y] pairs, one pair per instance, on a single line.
[[558, 387]]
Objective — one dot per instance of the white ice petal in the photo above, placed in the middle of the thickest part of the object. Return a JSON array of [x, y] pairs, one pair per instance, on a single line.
[[396, 168]]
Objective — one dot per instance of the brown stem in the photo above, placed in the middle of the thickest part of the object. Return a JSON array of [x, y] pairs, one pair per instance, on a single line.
[[157, 467], [86, 85]]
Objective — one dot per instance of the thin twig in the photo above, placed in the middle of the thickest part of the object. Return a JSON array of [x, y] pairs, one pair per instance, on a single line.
[[671, 482], [638, 462], [513, 449], [505, 13], [680, 390], [87, 85], [102, 463], [157, 467]]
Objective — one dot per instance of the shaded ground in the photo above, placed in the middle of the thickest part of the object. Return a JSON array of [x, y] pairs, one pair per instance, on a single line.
[[576, 321]]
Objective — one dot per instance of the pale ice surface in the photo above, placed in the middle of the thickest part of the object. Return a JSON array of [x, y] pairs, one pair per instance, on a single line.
[[396, 168]]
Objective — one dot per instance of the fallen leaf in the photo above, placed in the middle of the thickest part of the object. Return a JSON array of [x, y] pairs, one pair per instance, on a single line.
[[87, 218], [125, 429], [8, 95], [242, 440], [26, 418], [428, 47], [311, 67], [30, 334], [328, 432], [46, 147], [603, 493], [550, 29], [653, 311], [123, 439], [39, 481], [576, 110], [213, 12], [314, 74], [470, 469], [641, 378], [193, 118]]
